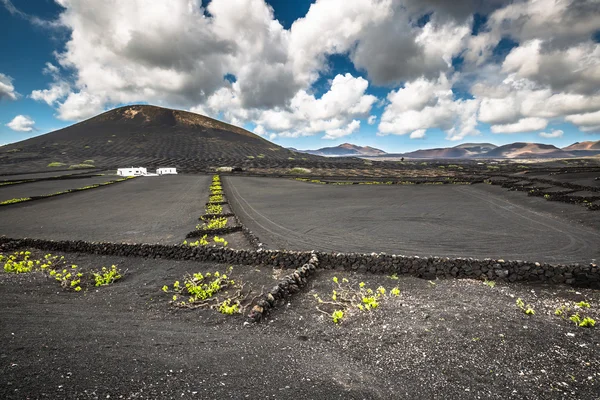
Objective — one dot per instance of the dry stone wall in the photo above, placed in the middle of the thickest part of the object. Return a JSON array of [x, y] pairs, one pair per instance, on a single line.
[[585, 275]]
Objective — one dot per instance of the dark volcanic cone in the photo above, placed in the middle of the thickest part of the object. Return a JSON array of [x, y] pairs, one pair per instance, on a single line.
[[144, 135]]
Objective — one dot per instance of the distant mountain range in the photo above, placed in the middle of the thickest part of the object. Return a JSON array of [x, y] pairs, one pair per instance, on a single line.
[[476, 150], [344, 150]]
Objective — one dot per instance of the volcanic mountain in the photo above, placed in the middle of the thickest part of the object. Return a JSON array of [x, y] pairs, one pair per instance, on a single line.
[[345, 150], [527, 150], [464, 150], [584, 146], [475, 149], [147, 136]]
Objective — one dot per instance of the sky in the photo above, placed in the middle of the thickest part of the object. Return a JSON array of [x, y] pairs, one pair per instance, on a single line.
[[399, 75]]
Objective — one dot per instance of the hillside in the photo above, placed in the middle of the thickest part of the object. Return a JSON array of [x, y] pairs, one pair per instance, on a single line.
[[589, 145], [345, 150], [464, 150], [526, 150], [476, 148], [148, 135], [442, 152]]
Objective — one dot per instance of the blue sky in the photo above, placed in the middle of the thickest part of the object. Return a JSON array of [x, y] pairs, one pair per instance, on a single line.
[[309, 75]]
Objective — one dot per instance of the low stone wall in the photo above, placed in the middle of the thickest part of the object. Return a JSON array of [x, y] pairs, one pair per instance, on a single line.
[[286, 287], [432, 267], [585, 275], [287, 259], [563, 196], [224, 215]]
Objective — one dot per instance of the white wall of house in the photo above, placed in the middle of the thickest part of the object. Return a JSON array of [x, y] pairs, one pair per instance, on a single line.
[[166, 171], [139, 171]]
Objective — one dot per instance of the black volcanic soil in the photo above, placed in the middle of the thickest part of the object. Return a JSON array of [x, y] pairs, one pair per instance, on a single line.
[[49, 174], [48, 187], [145, 209], [142, 135], [450, 220], [451, 339], [578, 178]]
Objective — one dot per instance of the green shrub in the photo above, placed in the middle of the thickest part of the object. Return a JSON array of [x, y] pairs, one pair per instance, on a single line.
[[56, 164], [81, 166], [299, 170]]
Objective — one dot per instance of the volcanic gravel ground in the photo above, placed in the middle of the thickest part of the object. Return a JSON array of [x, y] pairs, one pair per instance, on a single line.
[[449, 220], [48, 187], [578, 178], [452, 339], [50, 174], [142, 210], [449, 339]]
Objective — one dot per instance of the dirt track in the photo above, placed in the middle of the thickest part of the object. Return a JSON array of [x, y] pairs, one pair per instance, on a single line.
[[459, 221], [146, 210]]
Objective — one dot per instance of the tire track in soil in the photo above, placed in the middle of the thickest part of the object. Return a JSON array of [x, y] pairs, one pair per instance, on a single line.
[[570, 243]]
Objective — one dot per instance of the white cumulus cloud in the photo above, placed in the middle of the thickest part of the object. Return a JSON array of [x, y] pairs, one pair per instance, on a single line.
[[522, 125], [426, 104], [231, 59], [7, 89], [341, 132], [21, 123], [418, 134], [552, 135]]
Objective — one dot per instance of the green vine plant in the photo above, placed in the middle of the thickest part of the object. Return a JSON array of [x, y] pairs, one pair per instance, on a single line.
[[21, 262], [222, 241], [107, 276], [491, 284], [578, 318], [214, 290], [68, 276], [217, 198], [214, 209], [203, 241], [527, 309], [346, 299], [212, 223]]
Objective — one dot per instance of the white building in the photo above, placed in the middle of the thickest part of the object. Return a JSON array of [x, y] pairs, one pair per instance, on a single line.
[[139, 171], [166, 171]]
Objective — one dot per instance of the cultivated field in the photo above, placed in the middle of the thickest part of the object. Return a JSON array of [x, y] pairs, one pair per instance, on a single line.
[[301, 325], [448, 339], [49, 174], [41, 188], [449, 220], [143, 210]]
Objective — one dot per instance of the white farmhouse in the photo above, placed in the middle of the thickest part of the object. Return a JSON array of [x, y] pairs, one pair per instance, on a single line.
[[139, 171], [166, 171]]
